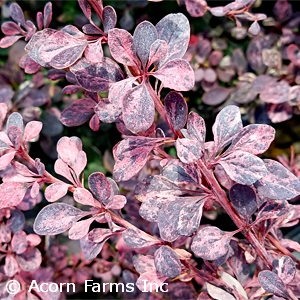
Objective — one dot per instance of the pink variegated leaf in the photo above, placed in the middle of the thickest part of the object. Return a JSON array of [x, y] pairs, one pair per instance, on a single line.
[[11, 193], [217, 293], [56, 191], [211, 243], [273, 209], [109, 18], [78, 113], [243, 167], [285, 268], [136, 238], [86, 8], [228, 123], [175, 30], [158, 51], [243, 199], [148, 280], [99, 235], [16, 13], [6, 159], [30, 260], [254, 29], [33, 239], [279, 183], [99, 186], [7, 41], [71, 89], [117, 202], [66, 52], [80, 163], [150, 208], [90, 249], [47, 14], [254, 138], [29, 65], [10, 28], [15, 135], [138, 109], [80, 229], [140, 43], [84, 197], [167, 262], [97, 77], [176, 109], [276, 92], [39, 166], [120, 43], [196, 8], [272, 283], [32, 130], [93, 52], [35, 190], [188, 150], [278, 113], [107, 111], [196, 127], [62, 168], [15, 120], [11, 266], [176, 74], [19, 242], [218, 11], [94, 123], [67, 150], [144, 263], [31, 30], [57, 218]]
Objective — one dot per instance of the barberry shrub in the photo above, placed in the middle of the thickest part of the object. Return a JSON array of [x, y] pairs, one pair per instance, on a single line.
[[158, 228]]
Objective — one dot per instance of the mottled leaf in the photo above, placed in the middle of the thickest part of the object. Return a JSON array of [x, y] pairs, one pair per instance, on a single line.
[[109, 18], [57, 218], [272, 283], [16, 13], [176, 74], [10, 267], [47, 14], [167, 262], [216, 95], [138, 109], [148, 281], [93, 52], [7, 41], [99, 186], [96, 77], [196, 127], [32, 130], [90, 249], [158, 51], [136, 238], [218, 293], [84, 197], [19, 243], [285, 268], [228, 123], [30, 260], [15, 119], [56, 191], [279, 183], [117, 202], [196, 8], [143, 263], [275, 92], [6, 159], [243, 199], [243, 167], [80, 229], [188, 150], [210, 243], [176, 109], [273, 209], [11, 193]]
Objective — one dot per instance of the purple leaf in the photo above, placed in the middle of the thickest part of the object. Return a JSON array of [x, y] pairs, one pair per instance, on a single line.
[[11, 193], [167, 262], [80, 229], [243, 199], [243, 167], [19, 243], [16, 13], [228, 123], [56, 191], [144, 36], [175, 30], [30, 260], [138, 109], [285, 268], [279, 183], [86, 8], [120, 44], [96, 77], [7, 41], [29, 65], [61, 50], [196, 8], [10, 28], [210, 243], [78, 113], [84, 197], [158, 50], [273, 209], [93, 52], [32, 130], [117, 202], [216, 95], [272, 283], [57, 218], [99, 186], [11, 266], [176, 74], [136, 238], [176, 109], [196, 127], [188, 150], [254, 139], [47, 14], [109, 18], [278, 113]]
